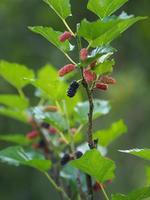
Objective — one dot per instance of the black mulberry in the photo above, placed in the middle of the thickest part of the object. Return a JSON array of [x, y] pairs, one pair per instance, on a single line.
[[65, 159], [72, 89]]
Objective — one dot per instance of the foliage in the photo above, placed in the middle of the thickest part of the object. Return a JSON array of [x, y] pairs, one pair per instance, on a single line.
[[57, 121]]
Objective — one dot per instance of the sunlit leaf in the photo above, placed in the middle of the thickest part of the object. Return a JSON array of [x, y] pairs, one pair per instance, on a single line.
[[15, 138], [100, 108], [107, 136], [15, 114], [16, 74], [100, 33], [97, 166], [17, 156], [104, 68], [61, 7], [53, 37], [104, 8], [139, 194], [142, 153], [14, 101]]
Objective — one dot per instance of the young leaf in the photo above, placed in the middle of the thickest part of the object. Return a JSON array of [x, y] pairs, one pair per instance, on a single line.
[[15, 114], [142, 153], [14, 101], [17, 156], [139, 194], [106, 7], [104, 68], [94, 164], [100, 108], [61, 7], [17, 75], [107, 136], [53, 37], [103, 32], [15, 138]]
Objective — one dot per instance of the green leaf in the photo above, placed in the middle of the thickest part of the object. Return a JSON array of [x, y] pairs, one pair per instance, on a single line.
[[100, 108], [61, 7], [142, 153], [15, 114], [53, 37], [54, 118], [94, 164], [14, 101], [104, 8], [96, 54], [17, 156], [103, 32], [16, 74], [139, 194], [104, 68], [147, 169], [15, 138], [107, 136]]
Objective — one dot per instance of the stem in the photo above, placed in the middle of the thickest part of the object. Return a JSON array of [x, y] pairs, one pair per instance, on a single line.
[[104, 192], [59, 189], [21, 93], [69, 58], [68, 27]]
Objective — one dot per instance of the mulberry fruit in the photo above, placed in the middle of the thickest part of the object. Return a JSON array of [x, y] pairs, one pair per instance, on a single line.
[[65, 159], [83, 54], [107, 80], [66, 69], [33, 134], [102, 86], [65, 36], [78, 154], [89, 75], [72, 89]]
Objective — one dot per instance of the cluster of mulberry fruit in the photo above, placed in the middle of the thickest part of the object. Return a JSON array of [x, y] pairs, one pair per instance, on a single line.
[[68, 157]]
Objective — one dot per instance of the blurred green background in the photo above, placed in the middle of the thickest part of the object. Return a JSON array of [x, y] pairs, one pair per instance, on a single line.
[[130, 98]]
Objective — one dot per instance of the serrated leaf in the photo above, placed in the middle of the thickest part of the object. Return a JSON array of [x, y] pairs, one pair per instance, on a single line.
[[61, 7], [15, 114], [107, 136], [106, 7], [139, 194], [15, 138], [16, 74], [97, 166], [100, 33], [142, 153], [14, 101], [104, 68], [17, 156], [53, 37], [100, 108], [96, 54]]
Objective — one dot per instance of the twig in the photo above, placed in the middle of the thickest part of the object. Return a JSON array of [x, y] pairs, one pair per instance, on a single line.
[[104, 192], [59, 189]]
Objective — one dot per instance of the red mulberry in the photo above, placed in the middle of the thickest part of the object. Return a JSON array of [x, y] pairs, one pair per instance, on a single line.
[[66, 69], [89, 75], [83, 54], [33, 134], [102, 86], [107, 80], [65, 36]]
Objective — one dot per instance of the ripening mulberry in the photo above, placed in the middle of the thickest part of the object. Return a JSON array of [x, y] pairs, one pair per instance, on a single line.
[[33, 134], [89, 75], [66, 69], [83, 54], [72, 89], [102, 86], [107, 80], [65, 36]]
